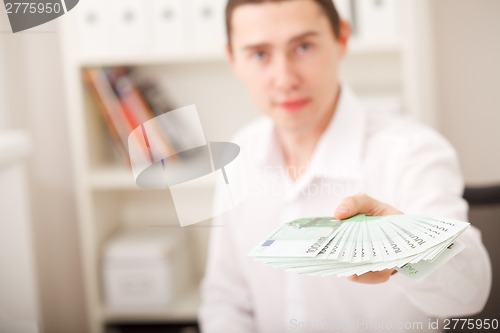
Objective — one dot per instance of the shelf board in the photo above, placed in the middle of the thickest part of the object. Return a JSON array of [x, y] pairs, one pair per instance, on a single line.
[[184, 309], [364, 47], [144, 57], [148, 58], [111, 178]]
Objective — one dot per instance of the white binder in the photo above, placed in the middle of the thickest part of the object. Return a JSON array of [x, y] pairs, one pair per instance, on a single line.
[[93, 26], [127, 20], [376, 19], [169, 26], [208, 25]]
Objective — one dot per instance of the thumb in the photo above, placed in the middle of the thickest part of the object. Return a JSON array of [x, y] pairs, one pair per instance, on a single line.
[[362, 204]]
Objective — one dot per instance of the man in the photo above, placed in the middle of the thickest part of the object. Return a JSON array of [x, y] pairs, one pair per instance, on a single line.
[[316, 146]]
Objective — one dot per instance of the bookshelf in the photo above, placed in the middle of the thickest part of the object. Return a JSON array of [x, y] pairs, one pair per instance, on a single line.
[[108, 201]]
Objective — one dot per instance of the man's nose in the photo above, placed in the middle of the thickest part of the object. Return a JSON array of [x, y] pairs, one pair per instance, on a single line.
[[285, 74]]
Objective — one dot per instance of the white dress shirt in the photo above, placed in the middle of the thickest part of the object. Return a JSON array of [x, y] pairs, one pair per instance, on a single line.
[[392, 159]]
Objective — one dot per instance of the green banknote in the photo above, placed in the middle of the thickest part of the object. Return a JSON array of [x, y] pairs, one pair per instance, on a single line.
[[414, 244], [304, 237]]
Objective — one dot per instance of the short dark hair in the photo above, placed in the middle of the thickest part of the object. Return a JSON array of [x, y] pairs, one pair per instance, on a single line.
[[326, 5]]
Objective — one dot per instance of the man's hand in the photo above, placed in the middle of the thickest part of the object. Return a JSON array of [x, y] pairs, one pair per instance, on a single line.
[[364, 204]]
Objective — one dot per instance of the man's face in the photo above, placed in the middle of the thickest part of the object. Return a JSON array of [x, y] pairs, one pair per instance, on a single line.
[[288, 57]]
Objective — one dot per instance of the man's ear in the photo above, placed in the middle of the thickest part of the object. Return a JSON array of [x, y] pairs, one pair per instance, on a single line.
[[229, 54], [345, 34]]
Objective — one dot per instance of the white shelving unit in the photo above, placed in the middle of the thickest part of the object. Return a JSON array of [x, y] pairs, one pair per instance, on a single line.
[[145, 34]]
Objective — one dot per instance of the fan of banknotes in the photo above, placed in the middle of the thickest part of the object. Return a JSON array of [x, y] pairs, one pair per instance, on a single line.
[[413, 244]]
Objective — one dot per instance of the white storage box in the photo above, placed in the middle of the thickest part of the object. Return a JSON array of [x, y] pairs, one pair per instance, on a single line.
[[146, 267]]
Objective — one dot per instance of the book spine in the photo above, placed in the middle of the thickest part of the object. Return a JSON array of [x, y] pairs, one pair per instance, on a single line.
[[108, 106]]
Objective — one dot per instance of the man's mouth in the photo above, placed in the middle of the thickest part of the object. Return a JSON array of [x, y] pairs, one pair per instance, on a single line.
[[294, 105]]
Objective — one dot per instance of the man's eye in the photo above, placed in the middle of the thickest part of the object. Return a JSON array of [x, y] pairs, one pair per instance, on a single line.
[[304, 47], [259, 55]]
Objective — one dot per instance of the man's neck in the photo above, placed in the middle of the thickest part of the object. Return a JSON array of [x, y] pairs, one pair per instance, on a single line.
[[297, 151], [298, 147]]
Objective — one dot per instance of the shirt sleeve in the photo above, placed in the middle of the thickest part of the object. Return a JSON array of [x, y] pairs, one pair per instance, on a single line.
[[430, 182], [226, 305]]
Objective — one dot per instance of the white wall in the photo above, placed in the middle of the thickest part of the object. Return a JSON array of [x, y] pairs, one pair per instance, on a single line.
[[4, 121], [18, 290], [468, 53], [36, 100]]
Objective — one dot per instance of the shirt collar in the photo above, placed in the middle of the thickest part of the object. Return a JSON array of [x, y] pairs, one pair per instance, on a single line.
[[270, 151], [339, 150]]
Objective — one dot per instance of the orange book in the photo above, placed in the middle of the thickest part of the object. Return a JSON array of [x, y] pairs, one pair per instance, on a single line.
[[109, 106], [138, 112]]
